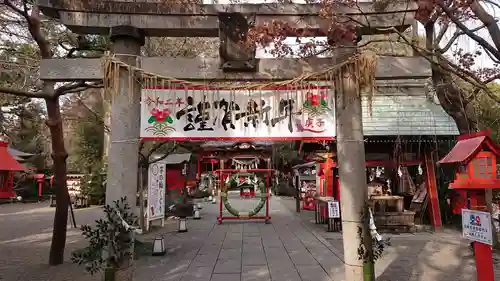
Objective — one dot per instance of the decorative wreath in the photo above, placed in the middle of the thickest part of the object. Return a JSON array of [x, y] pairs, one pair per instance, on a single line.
[[233, 211]]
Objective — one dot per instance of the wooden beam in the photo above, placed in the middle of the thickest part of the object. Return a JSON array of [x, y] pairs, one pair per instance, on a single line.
[[388, 68], [201, 20]]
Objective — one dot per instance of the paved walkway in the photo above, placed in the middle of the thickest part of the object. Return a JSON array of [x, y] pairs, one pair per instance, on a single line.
[[244, 251], [291, 248], [443, 256]]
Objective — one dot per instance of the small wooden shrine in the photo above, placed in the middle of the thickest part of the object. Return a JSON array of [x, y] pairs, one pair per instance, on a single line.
[[476, 157], [476, 171], [306, 183], [400, 175], [216, 155], [176, 176], [242, 168], [8, 167]]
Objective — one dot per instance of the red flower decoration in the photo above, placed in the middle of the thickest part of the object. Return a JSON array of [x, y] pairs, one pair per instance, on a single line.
[[160, 115], [313, 99]]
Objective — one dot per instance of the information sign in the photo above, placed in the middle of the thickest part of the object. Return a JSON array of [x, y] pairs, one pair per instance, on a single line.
[[476, 226], [333, 209]]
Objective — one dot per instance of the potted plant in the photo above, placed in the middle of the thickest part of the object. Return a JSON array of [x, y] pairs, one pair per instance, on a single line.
[[110, 243]]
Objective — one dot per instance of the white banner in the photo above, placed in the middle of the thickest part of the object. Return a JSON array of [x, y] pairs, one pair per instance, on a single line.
[[156, 191], [224, 114]]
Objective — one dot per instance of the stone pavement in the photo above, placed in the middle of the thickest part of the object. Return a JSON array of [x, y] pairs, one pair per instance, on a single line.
[[443, 256], [243, 251], [25, 236], [290, 248]]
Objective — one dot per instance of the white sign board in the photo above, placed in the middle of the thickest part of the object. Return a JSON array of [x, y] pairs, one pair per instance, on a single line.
[[333, 209], [476, 226], [197, 114], [156, 191]]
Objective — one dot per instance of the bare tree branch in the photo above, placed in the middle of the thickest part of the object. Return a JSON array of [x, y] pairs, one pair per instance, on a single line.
[[16, 9], [63, 90], [446, 65], [21, 93], [489, 21], [458, 22], [96, 115], [455, 36], [441, 34], [164, 155]]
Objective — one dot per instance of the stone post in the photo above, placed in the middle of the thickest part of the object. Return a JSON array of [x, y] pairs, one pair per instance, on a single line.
[[123, 154], [351, 163]]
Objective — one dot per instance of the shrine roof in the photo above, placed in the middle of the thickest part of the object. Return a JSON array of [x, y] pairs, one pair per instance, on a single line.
[[7, 161], [468, 146], [405, 111], [176, 158], [18, 154]]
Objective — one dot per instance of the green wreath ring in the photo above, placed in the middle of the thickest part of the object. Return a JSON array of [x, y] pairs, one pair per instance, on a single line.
[[237, 213]]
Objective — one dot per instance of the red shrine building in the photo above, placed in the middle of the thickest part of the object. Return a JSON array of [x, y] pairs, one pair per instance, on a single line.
[[8, 167]]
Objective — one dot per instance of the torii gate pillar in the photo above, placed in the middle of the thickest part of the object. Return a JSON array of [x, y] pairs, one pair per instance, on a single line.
[[123, 154]]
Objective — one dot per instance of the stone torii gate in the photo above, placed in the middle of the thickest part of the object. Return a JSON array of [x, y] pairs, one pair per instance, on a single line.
[[128, 23]]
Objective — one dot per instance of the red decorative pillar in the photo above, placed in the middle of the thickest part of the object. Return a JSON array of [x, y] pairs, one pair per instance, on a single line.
[[329, 177], [432, 192], [198, 174]]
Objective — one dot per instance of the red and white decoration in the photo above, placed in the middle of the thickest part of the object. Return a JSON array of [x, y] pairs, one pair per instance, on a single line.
[[217, 114]]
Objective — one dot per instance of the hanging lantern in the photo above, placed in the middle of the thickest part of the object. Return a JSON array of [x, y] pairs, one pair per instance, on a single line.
[[196, 213], [182, 224], [159, 246]]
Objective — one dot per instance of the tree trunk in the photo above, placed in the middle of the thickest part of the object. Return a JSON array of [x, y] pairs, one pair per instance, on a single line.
[[59, 156], [452, 98], [453, 101]]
